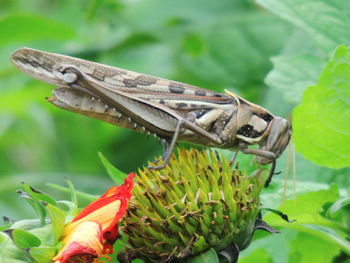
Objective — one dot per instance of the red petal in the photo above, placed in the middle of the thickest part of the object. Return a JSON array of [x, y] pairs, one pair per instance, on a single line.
[[75, 249], [85, 241], [122, 192], [81, 237]]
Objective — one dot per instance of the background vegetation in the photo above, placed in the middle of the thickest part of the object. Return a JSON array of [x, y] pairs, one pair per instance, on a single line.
[[269, 52]]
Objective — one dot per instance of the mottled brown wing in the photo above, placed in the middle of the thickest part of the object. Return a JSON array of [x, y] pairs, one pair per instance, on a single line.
[[178, 96]]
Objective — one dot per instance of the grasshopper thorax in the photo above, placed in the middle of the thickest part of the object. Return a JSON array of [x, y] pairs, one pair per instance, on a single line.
[[276, 140]]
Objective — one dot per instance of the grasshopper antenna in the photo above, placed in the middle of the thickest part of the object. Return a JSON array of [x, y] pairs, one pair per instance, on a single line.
[[286, 176], [294, 171]]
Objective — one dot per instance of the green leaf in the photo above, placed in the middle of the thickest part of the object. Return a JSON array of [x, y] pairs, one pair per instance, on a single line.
[[292, 74], [10, 253], [116, 175], [37, 206], [272, 196], [27, 224], [6, 224], [23, 239], [43, 254], [207, 256], [57, 220], [337, 238], [308, 215], [44, 233], [337, 206], [330, 31], [73, 192], [81, 195], [230, 56], [142, 57], [307, 208], [72, 208], [25, 28], [259, 255], [296, 67], [321, 124], [304, 249], [275, 245], [38, 195], [194, 44], [35, 197], [93, 6]]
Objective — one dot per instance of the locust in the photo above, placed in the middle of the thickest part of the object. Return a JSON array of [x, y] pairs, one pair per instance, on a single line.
[[171, 111]]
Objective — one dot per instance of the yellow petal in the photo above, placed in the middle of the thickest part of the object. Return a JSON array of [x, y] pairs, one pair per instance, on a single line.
[[85, 239], [104, 216]]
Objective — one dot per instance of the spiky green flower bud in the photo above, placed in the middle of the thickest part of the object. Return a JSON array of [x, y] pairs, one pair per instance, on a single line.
[[197, 202]]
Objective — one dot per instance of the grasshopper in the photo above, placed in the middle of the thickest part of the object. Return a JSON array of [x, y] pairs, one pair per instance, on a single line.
[[170, 110]]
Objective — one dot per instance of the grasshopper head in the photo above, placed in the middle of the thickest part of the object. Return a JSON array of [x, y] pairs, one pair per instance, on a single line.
[[277, 139]]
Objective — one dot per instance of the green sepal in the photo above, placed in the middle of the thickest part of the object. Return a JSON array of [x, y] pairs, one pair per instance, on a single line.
[[57, 220], [207, 256], [200, 244], [6, 224], [23, 239]]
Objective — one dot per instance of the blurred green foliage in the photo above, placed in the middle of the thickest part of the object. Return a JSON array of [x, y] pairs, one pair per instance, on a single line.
[[268, 52]]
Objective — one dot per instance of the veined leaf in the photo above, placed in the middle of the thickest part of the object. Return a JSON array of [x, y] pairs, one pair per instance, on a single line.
[[321, 124], [309, 219], [292, 74], [327, 22]]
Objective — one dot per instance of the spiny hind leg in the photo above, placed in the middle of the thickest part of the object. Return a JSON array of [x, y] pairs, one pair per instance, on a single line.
[[169, 148], [165, 145]]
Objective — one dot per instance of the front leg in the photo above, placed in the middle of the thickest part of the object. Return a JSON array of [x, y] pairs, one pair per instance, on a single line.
[[272, 173], [233, 158], [243, 146], [266, 154]]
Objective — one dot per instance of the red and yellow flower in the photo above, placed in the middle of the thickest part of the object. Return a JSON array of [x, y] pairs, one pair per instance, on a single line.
[[92, 233]]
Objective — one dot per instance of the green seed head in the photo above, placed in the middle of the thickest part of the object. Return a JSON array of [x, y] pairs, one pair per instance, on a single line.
[[195, 203]]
